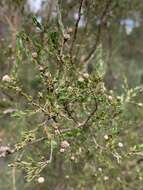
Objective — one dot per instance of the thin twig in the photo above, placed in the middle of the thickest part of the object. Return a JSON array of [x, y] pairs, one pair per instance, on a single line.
[[50, 158], [90, 56], [51, 154], [90, 115], [14, 178], [59, 16], [76, 28], [69, 113], [37, 140], [81, 125]]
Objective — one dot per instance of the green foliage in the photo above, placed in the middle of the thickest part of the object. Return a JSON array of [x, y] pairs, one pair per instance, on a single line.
[[71, 131], [75, 108]]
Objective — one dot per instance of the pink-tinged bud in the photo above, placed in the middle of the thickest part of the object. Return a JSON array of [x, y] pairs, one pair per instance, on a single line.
[[6, 78], [34, 55], [66, 37], [110, 98], [64, 144], [5, 150], [70, 30]]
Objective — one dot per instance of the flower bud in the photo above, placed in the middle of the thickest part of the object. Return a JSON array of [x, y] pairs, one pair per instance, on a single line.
[[106, 178], [110, 98], [120, 144], [62, 150], [81, 79], [34, 55], [64, 144], [140, 104], [6, 78], [41, 180], [72, 158], [70, 30], [106, 137], [86, 75], [66, 37]]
